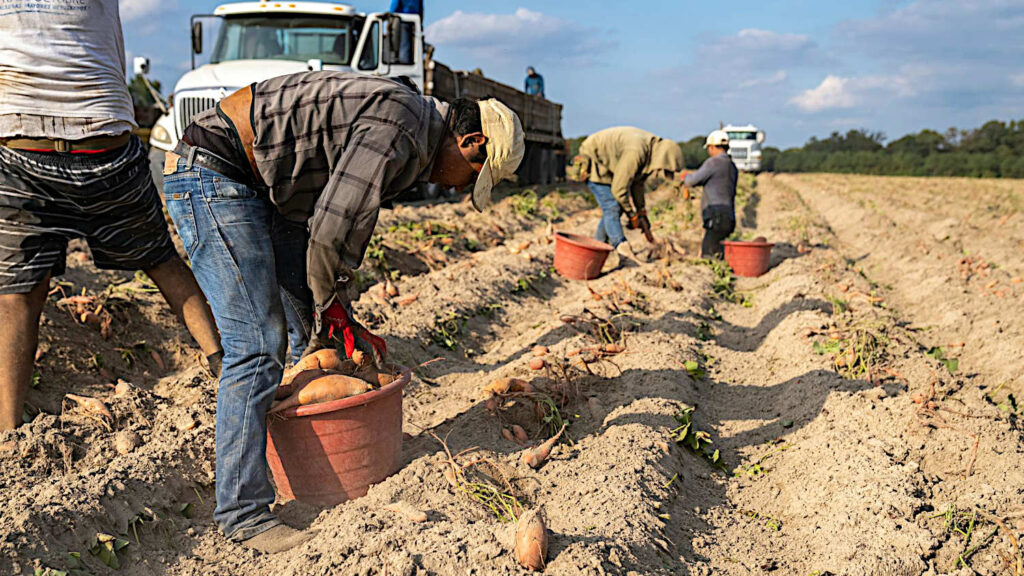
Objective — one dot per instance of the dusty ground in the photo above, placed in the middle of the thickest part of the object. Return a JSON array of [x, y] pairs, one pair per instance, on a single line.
[[849, 443]]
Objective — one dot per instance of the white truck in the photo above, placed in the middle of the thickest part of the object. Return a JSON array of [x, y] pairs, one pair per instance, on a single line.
[[745, 146], [260, 40]]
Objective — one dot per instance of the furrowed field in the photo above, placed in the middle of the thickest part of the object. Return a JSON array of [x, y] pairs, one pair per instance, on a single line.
[[856, 410]]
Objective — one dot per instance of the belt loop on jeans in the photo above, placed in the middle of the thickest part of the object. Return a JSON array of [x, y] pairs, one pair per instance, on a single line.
[[191, 157]]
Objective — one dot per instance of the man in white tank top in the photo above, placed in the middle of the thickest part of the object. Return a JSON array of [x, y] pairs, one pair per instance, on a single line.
[[70, 168]]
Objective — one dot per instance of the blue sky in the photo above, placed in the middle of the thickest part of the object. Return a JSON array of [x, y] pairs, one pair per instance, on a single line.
[[794, 68]]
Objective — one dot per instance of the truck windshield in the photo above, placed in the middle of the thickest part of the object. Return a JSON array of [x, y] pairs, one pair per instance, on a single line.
[[733, 136], [287, 37]]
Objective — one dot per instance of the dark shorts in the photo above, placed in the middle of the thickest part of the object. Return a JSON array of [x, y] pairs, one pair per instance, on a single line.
[[47, 199]]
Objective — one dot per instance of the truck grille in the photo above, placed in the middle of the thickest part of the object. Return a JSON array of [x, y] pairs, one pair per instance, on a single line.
[[740, 153], [189, 106]]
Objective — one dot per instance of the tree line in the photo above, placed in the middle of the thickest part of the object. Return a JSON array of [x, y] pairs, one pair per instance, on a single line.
[[995, 150]]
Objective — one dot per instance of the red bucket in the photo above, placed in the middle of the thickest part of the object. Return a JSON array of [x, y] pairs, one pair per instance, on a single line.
[[578, 257], [749, 259], [325, 454]]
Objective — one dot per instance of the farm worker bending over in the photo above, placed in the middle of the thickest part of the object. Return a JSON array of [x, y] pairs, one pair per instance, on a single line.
[[617, 164], [310, 156], [534, 83], [70, 168], [718, 177]]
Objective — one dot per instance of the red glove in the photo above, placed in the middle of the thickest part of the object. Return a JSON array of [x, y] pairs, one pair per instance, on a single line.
[[352, 334]]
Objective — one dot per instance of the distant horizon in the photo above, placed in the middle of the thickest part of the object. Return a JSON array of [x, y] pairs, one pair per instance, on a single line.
[[793, 68]]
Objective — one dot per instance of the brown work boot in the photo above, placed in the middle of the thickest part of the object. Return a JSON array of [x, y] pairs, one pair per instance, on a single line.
[[278, 539]]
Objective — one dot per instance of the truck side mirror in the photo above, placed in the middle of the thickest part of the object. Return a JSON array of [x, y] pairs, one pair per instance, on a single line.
[[140, 65], [760, 136], [394, 45], [197, 37]]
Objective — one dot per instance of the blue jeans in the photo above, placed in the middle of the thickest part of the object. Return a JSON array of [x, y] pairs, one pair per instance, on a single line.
[[250, 264], [609, 229]]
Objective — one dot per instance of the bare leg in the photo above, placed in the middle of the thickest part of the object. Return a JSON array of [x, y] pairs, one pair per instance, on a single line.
[[19, 336], [179, 288]]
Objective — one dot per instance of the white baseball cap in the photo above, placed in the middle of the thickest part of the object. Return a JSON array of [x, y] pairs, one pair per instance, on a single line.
[[717, 138], [505, 149]]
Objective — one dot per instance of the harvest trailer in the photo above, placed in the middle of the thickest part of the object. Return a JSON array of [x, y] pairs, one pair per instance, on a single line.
[[259, 40]]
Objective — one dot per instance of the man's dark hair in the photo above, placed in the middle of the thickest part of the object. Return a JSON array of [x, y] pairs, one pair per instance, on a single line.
[[466, 117]]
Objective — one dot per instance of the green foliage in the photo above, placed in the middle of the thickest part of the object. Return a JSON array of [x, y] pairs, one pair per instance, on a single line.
[[698, 441], [447, 330], [693, 369], [106, 548], [574, 146], [525, 203], [939, 354], [722, 284], [140, 94], [770, 522], [694, 153], [995, 150]]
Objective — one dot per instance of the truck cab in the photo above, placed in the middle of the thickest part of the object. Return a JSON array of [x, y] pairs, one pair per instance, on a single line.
[[256, 41], [745, 146]]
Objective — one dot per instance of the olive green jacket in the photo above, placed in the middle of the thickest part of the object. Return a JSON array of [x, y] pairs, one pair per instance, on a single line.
[[624, 157]]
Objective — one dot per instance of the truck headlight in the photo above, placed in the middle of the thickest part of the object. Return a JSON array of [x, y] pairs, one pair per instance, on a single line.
[[160, 134]]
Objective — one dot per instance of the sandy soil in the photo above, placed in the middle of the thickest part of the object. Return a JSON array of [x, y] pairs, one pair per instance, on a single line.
[[883, 460]]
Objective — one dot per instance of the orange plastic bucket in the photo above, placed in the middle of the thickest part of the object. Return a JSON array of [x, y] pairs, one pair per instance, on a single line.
[[325, 454], [749, 259], [578, 257]]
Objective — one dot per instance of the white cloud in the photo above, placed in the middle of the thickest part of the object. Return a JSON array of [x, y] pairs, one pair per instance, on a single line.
[[776, 78], [753, 49], [833, 92], [521, 35], [136, 9], [837, 92]]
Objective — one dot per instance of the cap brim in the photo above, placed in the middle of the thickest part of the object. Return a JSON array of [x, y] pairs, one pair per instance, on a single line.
[[482, 189]]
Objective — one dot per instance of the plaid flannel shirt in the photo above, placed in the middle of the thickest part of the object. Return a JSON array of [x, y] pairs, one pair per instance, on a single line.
[[331, 146]]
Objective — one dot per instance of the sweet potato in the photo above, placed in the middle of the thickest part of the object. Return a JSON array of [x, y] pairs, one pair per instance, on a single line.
[[540, 350], [520, 434], [531, 548], [323, 389], [325, 359], [365, 370], [537, 456], [504, 386], [537, 364], [92, 406], [403, 508], [298, 382]]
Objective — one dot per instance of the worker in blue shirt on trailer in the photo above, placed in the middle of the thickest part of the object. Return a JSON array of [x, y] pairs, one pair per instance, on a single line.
[[534, 83]]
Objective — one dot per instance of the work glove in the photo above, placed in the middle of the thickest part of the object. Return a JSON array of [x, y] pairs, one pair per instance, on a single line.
[[639, 221], [344, 331]]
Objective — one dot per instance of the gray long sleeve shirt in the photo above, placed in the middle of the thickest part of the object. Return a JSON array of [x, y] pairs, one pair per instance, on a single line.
[[718, 176]]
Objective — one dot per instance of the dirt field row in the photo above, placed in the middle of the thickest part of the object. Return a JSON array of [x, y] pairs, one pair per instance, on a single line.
[[842, 440]]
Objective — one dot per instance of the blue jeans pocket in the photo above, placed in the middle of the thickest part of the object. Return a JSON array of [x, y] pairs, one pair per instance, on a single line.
[[178, 196], [225, 189]]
